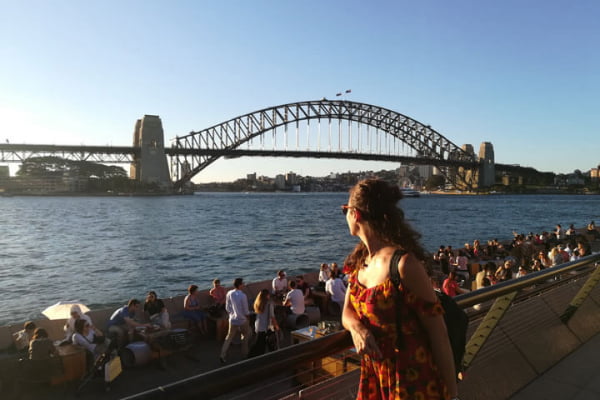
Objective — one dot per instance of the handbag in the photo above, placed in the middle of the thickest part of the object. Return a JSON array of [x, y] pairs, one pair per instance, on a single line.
[[271, 338]]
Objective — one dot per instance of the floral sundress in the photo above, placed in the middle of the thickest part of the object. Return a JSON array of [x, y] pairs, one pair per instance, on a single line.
[[409, 373]]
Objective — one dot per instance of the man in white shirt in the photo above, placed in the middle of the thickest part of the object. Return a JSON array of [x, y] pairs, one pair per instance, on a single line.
[[336, 288], [236, 304], [560, 233], [294, 299], [280, 284]]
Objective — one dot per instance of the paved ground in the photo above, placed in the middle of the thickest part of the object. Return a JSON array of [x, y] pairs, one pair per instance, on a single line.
[[202, 357], [576, 377]]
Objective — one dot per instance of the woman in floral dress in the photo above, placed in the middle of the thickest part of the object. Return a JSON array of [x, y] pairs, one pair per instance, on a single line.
[[420, 364]]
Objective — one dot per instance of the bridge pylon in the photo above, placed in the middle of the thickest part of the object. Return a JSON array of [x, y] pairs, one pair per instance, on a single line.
[[150, 166]]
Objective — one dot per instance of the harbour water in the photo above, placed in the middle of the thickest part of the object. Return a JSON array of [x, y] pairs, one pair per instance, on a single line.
[[104, 250]]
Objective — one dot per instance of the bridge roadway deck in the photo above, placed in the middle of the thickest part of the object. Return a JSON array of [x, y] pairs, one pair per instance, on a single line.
[[576, 377]]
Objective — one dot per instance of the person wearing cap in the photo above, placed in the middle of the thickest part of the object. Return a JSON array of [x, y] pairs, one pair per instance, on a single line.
[[94, 335], [236, 304]]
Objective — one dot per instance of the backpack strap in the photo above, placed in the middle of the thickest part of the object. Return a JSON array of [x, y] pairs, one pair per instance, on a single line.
[[394, 274], [395, 278]]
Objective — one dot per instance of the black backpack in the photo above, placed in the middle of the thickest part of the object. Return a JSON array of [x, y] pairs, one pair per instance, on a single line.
[[455, 317]]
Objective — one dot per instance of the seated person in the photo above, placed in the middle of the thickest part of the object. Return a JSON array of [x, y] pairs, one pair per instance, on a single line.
[[280, 284], [294, 300], [83, 330], [336, 288], [304, 288], [41, 347], [591, 230], [94, 335], [193, 311], [218, 293], [122, 323], [156, 310], [450, 286], [24, 336]]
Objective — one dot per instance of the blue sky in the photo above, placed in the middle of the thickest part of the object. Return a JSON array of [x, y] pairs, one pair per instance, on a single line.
[[524, 75]]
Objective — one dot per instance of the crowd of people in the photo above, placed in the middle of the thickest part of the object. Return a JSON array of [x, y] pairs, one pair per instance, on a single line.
[[391, 327], [499, 262], [285, 297]]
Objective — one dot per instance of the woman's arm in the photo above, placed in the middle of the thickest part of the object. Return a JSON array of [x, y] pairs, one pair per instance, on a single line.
[[363, 339], [415, 279]]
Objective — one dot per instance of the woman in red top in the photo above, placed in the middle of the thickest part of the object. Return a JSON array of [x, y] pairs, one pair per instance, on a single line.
[[450, 286], [420, 365]]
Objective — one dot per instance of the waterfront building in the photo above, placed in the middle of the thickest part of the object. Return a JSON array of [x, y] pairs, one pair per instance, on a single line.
[[291, 179], [280, 182], [595, 174]]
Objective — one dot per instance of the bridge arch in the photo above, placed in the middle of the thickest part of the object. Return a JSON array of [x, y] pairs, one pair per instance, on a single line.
[[195, 151]]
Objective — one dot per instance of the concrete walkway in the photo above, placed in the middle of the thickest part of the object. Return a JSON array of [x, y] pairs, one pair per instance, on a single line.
[[576, 377]]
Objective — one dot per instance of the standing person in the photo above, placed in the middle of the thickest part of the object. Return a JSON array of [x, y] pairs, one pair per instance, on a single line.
[[420, 363], [460, 262], [323, 276], [192, 309], [156, 310], [560, 232], [336, 289], [217, 293], [236, 304], [265, 321]]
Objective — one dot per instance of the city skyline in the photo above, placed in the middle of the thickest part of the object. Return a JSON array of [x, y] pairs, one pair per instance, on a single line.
[[522, 76]]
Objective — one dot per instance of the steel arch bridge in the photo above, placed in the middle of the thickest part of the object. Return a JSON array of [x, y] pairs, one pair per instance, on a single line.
[[379, 134]]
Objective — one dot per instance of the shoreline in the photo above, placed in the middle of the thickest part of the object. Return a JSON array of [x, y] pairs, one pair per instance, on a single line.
[[199, 192]]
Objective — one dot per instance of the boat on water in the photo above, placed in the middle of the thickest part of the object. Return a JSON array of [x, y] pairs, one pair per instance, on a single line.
[[408, 192]]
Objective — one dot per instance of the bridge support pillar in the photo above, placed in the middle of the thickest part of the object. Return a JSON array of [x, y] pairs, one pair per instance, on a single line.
[[487, 171], [151, 164]]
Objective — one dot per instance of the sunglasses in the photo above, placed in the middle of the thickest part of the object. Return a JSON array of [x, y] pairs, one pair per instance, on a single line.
[[345, 208]]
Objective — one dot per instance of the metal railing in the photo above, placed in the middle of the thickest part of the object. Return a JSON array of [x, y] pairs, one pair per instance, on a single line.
[[264, 368]]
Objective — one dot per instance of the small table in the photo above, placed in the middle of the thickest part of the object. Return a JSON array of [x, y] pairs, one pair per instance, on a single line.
[[316, 371], [304, 334], [150, 335]]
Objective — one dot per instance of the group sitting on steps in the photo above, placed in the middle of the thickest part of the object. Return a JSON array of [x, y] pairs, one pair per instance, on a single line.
[[497, 262]]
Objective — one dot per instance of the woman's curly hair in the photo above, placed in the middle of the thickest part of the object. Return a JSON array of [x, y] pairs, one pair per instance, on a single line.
[[377, 202]]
